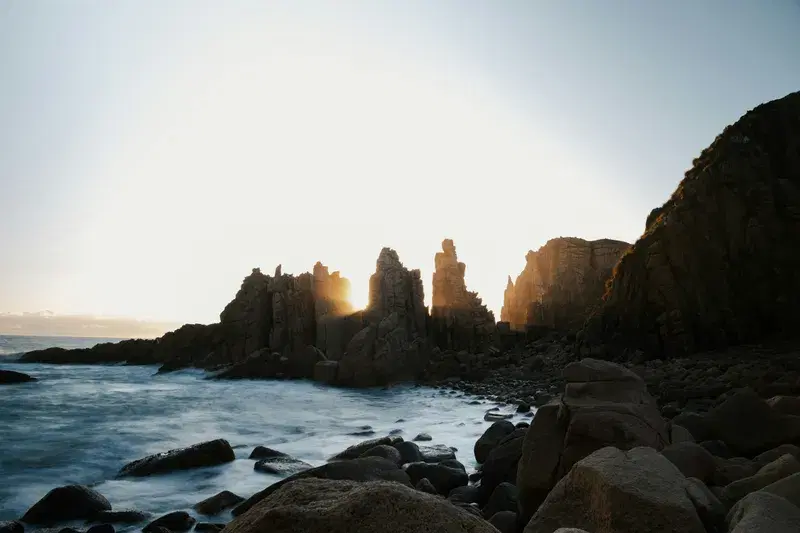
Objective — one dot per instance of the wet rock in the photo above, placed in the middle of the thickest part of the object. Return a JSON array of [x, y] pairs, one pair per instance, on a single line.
[[762, 512], [62, 504], [325, 506], [387, 452], [11, 527], [503, 498], [281, 466], [523, 408], [356, 450], [494, 417], [437, 453], [360, 469], [8, 377], [210, 453], [262, 452], [601, 489], [122, 516], [409, 452], [208, 527], [504, 521], [218, 503], [101, 528], [174, 521], [444, 478], [422, 437], [490, 438]]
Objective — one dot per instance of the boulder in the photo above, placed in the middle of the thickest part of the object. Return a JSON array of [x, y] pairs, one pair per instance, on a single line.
[[775, 453], [280, 466], [218, 503], [174, 521], [360, 469], [733, 469], [502, 463], [437, 453], [101, 528], [710, 510], [787, 488], [491, 437], [354, 451], [409, 452], [333, 506], [464, 494], [762, 512], [121, 516], [774, 471], [8, 377], [423, 437], [263, 452], [679, 434], [504, 521], [691, 459], [62, 504], [326, 372], [444, 478], [604, 404], [600, 491], [11, 527], [503, 498], [718, 264], [210, 453], [785, 405], [425, 485], [208, 527], [386, 451]]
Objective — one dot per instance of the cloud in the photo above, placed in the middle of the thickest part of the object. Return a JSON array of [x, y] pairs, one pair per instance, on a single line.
[[48, 323]]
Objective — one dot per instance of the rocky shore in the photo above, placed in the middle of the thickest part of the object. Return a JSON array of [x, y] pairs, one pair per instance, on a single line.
[[600, 457]]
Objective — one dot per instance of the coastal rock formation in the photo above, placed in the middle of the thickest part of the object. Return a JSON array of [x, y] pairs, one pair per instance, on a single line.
[[719, 262], [210, 453], [8, 377], [561, 283], [71, 502], [392, 345], [459, 320]]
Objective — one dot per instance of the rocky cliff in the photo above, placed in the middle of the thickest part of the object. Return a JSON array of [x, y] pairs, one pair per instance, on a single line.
[[562, 281], [719, 262], [459, 320]]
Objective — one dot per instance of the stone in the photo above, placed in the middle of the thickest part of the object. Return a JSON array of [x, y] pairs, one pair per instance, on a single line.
[[732, 469], [787, 487], [561, 282], [710, 510], [121, 516], [8, 377], [409, 452], [491, 438], [280, 466], [208, 527], [387, 452], [263, 452], [459, 319], [326, 372], [679, 434], [425, 485], [209, 453], [218, 503], [444, 478], [360, 469], [436, 453], [774, 471], [174, 521], [356, 450], [503, 498], [504, 521], [464, 494], [692, 460], [775, 453], [423, 437], [12, 526], [786, 405], [101, 528], [719, 261], [502, 463], [334, 506], [762, 512], [600, 491], [62, 504]]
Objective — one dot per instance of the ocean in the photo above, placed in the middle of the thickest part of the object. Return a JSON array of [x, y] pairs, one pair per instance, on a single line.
[[81, 424]]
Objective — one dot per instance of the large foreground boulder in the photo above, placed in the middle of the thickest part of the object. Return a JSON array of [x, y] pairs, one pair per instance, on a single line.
[[719, 262], [614, 491], [491, 438], [361, 469], [71, 502], [604, 404], [210, 453], [334, 506]]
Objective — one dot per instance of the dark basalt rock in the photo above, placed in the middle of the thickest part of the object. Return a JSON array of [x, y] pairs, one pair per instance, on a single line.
[[62, 504], [174, 521], [444, 478], [8, 377], [491, 438], [210, 453]]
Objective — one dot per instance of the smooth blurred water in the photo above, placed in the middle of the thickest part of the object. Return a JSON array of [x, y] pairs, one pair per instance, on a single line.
[[81, 424]]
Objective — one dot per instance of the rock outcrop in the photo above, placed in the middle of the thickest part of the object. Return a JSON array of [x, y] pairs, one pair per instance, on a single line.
[[719, 262], [561, 283], [392, 346], [603, 405], [459, 320]]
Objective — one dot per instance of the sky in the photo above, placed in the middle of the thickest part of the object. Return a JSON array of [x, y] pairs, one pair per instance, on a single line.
[[152, 153]]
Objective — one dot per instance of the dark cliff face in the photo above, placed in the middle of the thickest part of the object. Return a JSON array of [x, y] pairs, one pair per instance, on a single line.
[[719, 262], [561, 283]]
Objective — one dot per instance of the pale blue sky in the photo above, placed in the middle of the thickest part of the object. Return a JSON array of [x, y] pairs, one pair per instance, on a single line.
[[153, 151]]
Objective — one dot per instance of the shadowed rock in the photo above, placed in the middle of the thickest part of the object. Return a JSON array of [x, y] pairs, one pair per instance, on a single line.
[[71, 502], [208, 453], [8, 377]]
